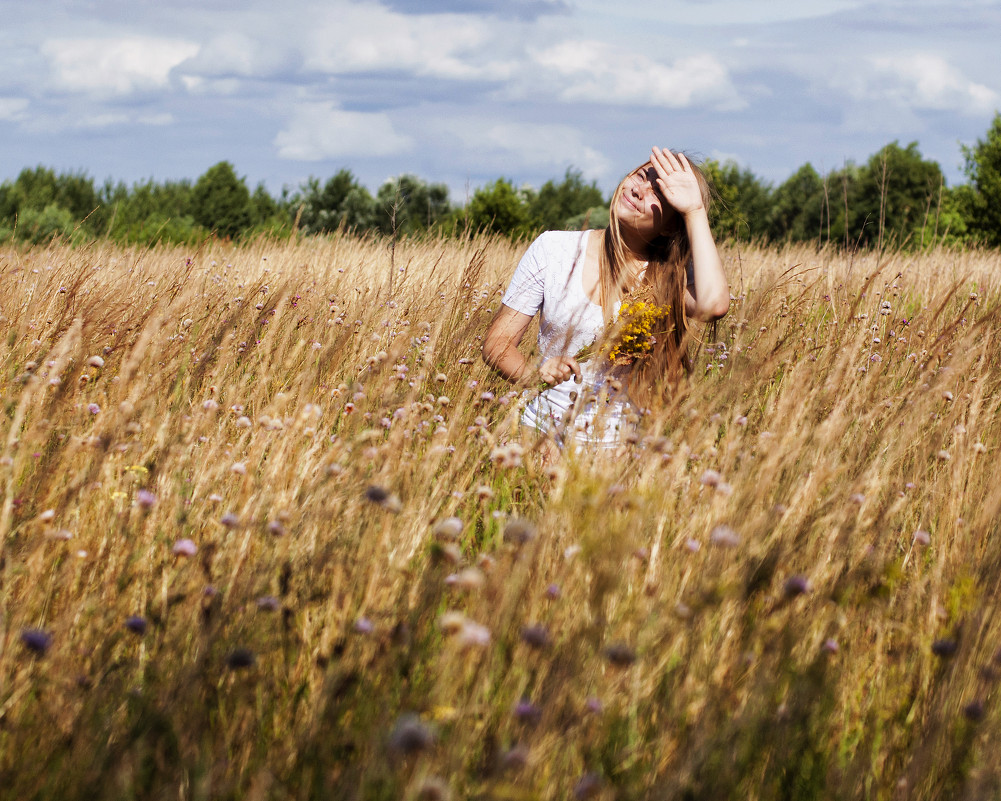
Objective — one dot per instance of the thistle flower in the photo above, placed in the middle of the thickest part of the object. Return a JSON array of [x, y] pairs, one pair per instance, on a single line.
[[240, 658], [268, 603], [796, 585], [185, 547], [448, 529], [724, 537], [145, 499], [536, 636], [410, 735], [469, 579], [230, 520], [95, 361], [136, 624], [619, 654], [364, 626], [921, 537], [527, 712], [519, 532], [37, 641], [588, 786], [944, 648]]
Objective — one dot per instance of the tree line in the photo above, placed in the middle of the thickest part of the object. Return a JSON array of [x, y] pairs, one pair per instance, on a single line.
[[897, 198]]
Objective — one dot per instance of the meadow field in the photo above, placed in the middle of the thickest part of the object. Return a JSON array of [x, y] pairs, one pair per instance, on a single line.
[[267, 531]]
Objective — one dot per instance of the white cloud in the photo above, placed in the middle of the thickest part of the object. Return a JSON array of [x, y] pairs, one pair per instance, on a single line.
[[319, 131], [13, 108], [115, 66], [926, 81], [596, 72], [369, 38], [514, 146], [236, 54]]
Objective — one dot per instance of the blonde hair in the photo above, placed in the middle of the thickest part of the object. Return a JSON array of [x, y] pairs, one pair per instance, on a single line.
[[668, 255]]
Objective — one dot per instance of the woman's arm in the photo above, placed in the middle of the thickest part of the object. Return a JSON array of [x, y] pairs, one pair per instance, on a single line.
[[500, 351], [707, 296]]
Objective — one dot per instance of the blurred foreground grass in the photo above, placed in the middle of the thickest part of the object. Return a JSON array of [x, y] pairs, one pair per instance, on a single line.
[[266, 532]]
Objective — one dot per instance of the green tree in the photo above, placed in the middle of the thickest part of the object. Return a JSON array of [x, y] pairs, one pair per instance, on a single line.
[[40, 188], [408, 205], [896, 197], [799, 209], [559, 205], [982, 204], [500, 208], [341, 201], [151, 212], [221, 202], [742, 203]]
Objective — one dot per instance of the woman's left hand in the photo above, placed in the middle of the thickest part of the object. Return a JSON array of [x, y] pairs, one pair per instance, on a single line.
[[676, 181]]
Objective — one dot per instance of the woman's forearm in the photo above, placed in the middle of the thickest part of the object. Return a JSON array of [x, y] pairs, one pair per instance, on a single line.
[[712, 290], [507, 360]]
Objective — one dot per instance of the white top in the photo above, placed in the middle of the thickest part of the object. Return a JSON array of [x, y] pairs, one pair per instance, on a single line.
[[549, 279]]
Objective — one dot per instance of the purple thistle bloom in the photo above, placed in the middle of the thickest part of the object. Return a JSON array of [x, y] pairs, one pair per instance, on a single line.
[[587, 786], [268, 603], [185, 547], [145, 498], [620, 654], [240, 658], [36, 640], [536, 635], [276, 528], [796, 585], [136, 624], [944, 648], [364, 626], [230, 520], [410, 735], [527, 712]]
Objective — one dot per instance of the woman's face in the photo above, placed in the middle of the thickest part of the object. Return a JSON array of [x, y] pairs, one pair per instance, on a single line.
[[640, 207]]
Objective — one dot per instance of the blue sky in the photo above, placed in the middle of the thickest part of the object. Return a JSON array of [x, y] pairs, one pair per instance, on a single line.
[[465, 91]]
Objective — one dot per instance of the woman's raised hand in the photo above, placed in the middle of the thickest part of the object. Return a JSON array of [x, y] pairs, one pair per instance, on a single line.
[[558, 369], [676, 181]]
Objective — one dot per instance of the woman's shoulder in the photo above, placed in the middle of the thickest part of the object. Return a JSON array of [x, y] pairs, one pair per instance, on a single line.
[[559, 244]]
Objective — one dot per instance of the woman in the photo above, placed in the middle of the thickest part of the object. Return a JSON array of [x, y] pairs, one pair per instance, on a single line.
[[658, 243]]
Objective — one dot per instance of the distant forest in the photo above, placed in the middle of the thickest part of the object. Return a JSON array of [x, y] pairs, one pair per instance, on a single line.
[[896, 199]]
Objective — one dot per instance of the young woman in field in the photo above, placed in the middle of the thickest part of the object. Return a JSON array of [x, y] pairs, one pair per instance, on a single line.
[[658, 250]]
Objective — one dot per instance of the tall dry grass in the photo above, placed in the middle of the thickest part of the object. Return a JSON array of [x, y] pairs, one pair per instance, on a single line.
[[266, 533]]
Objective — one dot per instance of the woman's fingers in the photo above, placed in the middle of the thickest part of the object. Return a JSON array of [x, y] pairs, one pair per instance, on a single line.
[[667, 160], [556, 370]]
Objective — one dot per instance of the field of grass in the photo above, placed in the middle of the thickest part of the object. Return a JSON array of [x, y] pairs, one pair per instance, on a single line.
[[266, 532]]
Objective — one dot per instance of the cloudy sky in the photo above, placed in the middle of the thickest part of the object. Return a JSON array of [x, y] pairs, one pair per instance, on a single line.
[[464, 91]]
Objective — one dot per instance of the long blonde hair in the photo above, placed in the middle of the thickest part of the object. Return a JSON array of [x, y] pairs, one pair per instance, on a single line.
[[666, 276]]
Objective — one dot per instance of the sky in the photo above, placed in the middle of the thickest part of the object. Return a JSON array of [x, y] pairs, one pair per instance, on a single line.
[[462, 92]]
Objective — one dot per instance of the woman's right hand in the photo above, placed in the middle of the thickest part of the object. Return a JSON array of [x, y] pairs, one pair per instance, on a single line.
[[558, 369]]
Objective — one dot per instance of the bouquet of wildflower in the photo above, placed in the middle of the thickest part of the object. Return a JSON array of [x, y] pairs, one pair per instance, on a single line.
[[633, 334]]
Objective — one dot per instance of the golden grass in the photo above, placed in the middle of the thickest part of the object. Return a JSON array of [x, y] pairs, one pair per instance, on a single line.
[[787, 589]]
